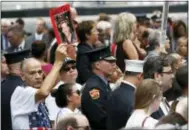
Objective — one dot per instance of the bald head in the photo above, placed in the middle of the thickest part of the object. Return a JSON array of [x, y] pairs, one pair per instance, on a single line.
[[32, 72], [28, 63]]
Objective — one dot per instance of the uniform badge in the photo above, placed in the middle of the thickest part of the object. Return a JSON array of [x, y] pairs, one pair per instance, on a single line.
[[94, 93]]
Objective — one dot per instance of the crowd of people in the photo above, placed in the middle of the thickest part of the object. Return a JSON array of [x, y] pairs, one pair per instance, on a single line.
[[120, 75]]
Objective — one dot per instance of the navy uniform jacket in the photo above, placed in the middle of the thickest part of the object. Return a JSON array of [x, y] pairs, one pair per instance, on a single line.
[[94, 108], [82, 63], [7, 89], [120, 106]]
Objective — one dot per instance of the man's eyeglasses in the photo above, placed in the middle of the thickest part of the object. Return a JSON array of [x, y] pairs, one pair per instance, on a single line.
[[69, 68], [169, 72]]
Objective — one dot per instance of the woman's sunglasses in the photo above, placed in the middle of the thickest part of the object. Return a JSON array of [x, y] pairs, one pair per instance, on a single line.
[[69, 68], [78, 92]]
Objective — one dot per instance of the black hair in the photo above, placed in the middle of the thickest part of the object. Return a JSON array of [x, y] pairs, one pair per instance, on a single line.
[[145, 34], [20, 21], [38, 49], [61, 94], [182, 76], [151, 66], [52, 53], [174, 92]]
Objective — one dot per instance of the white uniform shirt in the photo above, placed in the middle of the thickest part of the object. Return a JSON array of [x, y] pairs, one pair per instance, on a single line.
[[137, 118]]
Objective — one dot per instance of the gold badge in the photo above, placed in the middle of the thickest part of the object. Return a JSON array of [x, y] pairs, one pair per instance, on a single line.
[[94, 93]]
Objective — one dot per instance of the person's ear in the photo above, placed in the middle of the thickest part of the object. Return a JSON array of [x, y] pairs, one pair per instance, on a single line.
[[22, 76], [176, 66], [157, 77], [138, 76], [87, 36], [141, 76], [69, 98], [97, 65]]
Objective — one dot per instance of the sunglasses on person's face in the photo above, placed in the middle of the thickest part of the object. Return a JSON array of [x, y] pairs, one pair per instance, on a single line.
[[77, 91], [68, 68], [110, 61]]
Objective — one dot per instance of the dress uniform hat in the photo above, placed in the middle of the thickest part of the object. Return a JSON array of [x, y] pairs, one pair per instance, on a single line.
[[102, 53], [15, 57], [134, 65]]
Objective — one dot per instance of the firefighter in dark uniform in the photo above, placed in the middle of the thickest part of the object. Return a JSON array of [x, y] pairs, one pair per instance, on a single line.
[[121, 102], [97, 89], [8, 86]]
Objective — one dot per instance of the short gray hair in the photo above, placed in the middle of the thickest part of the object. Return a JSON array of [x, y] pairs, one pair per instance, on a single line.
[[154, 34], [65, 122], [5, 22], [104, 25], [123, 26]]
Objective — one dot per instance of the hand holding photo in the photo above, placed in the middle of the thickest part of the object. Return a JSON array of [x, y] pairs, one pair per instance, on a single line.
[[63, 24]]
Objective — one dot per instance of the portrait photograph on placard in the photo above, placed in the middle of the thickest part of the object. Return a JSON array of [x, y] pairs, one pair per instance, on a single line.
[[63, 25]]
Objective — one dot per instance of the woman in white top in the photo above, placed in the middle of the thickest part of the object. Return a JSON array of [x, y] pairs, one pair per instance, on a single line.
[[68, 98], [147, 100]]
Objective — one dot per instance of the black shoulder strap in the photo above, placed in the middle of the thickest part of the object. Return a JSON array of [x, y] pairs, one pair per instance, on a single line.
[[144, 121]]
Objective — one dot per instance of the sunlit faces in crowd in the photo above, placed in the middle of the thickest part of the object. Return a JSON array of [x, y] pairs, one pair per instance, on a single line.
[[32, 73], [40, 25], [105, 66], [93, 36], [69, 73], [182, 46]]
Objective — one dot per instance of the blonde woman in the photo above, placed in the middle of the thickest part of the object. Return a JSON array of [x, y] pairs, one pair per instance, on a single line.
[[124, 34], [147, 100]]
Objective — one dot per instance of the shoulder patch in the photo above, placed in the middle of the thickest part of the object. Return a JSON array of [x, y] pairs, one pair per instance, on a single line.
[[94, 93]]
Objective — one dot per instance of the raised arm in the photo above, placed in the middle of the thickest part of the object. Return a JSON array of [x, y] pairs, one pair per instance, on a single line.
[[49, 82]]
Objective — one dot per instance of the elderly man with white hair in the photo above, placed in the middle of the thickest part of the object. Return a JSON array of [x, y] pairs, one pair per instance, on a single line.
[[5, 24], [105, 29]]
